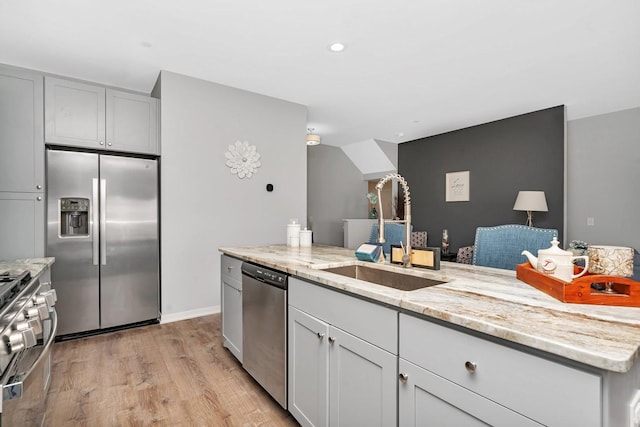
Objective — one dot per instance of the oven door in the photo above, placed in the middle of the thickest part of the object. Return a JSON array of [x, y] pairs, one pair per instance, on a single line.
[[26, 382]]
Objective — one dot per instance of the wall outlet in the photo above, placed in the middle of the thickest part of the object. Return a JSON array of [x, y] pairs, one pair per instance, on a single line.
[[591, 221]]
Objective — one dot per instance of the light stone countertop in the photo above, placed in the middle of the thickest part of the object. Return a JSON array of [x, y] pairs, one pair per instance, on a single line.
[[487, 300], [35, 266]]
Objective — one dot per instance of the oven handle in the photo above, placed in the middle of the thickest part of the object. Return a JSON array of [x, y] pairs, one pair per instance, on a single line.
[[45, 347], [13, 390]]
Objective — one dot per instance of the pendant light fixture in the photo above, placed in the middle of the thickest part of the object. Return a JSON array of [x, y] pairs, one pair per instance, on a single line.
[[312, 139]]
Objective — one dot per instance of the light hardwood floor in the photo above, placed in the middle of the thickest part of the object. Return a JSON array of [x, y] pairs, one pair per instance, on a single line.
[[176, 374]]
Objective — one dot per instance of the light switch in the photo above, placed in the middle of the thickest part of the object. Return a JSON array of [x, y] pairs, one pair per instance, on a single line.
[[591, 221]]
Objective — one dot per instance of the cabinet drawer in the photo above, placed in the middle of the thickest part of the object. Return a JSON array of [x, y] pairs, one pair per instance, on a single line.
[[546, 391], [371, 322], [428, 400], [230, 267]]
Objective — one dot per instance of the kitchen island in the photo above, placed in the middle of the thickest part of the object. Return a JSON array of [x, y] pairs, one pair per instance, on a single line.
[[487, 304]]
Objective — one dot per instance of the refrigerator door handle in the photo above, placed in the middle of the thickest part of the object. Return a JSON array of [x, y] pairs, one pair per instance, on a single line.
[[103, 221], [95, 222]]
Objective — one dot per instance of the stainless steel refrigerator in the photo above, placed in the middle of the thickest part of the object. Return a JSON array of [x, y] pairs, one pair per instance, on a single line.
[[102, 228]]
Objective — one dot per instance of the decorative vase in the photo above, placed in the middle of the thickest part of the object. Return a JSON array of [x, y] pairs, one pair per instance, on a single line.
[[445, 242], [373, 213]]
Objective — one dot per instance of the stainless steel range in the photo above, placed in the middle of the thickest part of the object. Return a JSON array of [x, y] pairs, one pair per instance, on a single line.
[[28, 325]]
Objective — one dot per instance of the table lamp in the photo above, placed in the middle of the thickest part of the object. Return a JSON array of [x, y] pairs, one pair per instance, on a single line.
[[531, 201]]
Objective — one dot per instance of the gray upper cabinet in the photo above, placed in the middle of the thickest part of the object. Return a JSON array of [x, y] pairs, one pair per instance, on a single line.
[[74, 113], [85, 115], [132, 122], [21, 140]]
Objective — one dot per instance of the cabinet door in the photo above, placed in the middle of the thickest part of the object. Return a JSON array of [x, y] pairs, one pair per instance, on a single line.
[[362, 382], [74, 113], [308, 369], [426, 399], [232, 315], [21, 131], [132, 122], [21, 225]]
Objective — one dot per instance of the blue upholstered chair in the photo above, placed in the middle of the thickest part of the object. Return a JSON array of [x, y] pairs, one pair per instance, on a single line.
[[501, 246], [393, 234]]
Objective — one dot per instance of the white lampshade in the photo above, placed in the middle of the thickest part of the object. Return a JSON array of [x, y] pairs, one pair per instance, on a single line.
[[313, 139], [531, 201]]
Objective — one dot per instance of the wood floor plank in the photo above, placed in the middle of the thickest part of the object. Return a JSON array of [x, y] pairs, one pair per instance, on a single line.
[[175, 374]]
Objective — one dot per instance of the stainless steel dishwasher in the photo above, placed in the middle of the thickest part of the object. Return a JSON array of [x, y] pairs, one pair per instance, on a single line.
[[264, 328]]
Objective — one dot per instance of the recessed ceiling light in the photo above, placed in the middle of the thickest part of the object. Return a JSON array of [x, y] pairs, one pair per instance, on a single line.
[[336, 47]]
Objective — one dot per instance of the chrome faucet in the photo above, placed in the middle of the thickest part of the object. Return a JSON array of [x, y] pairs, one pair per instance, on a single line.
[[406, 253]]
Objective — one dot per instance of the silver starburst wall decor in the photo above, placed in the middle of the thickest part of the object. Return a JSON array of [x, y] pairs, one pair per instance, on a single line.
[[243, 159]]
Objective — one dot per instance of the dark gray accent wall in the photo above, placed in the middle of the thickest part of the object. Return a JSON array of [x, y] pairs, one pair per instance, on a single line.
[[524, 152]]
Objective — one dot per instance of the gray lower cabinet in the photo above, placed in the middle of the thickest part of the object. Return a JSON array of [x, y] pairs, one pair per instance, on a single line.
[[463, 377], [91, 116], [342, 359], [308, 369], [362, 382], [21, 225], [426, 399], [231, 298]]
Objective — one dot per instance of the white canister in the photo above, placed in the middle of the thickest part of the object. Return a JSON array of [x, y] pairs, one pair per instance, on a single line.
[[611, 260], [293, 234], [306, 238]]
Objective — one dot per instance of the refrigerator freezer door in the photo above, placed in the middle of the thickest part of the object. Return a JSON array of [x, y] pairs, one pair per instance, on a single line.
[[74, 275], [129, 284]]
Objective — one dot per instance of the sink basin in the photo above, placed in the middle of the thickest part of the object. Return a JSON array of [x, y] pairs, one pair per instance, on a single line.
[[391, 279]]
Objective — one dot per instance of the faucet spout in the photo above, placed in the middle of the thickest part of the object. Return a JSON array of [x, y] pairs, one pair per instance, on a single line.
[[406, 257]]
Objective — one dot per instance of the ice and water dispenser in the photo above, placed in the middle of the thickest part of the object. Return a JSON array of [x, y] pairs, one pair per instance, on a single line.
[[74, 217]]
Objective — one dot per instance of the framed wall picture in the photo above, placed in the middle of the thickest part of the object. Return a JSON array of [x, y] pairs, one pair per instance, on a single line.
[[457, 187]]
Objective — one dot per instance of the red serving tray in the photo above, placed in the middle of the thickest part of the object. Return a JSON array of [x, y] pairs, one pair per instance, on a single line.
[[624, 291]]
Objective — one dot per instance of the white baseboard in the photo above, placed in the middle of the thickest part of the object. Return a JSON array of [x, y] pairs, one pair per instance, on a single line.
[[184, 315]]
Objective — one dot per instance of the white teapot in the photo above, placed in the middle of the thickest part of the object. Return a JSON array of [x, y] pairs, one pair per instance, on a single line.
[[556, 262]]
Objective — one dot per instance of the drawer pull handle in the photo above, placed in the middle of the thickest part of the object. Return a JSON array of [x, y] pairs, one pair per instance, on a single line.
[[332, 340], [470, 367], [320, 335], [403, 377], [229, 268]]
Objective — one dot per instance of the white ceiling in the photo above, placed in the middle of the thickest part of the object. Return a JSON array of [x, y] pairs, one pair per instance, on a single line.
[[412, 68]]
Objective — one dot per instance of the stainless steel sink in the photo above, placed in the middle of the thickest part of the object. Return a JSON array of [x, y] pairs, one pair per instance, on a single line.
[[391, 279]]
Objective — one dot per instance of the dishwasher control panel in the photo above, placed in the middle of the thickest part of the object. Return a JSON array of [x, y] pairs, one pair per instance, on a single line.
[[266, 275]]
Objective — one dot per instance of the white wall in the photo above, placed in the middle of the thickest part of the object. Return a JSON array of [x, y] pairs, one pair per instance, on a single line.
[[604, 178], [336, 191], [204, 206]]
